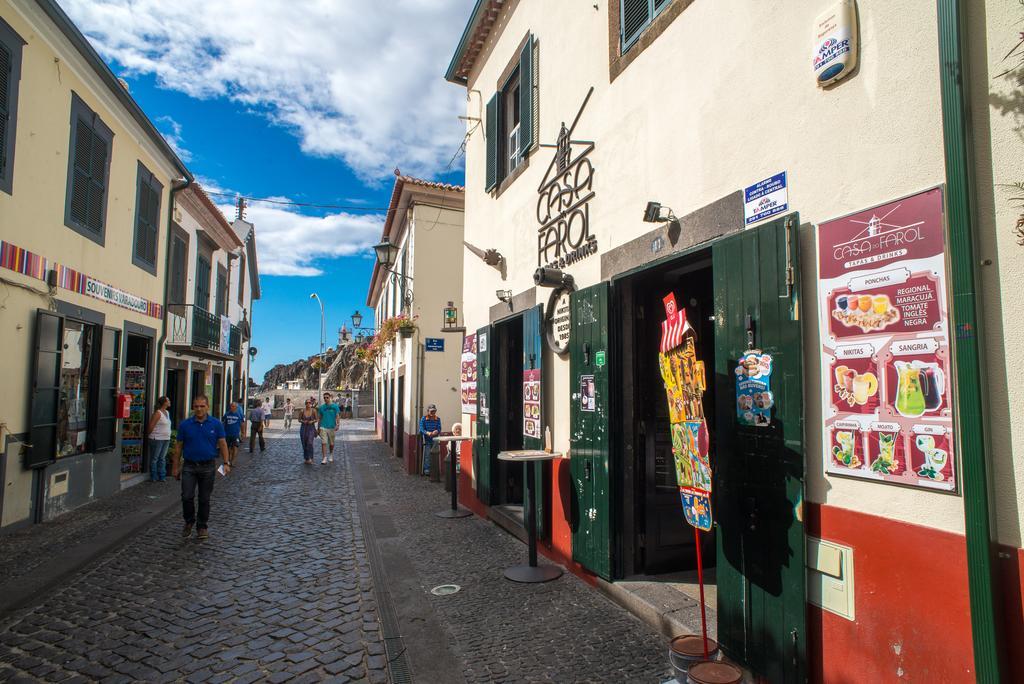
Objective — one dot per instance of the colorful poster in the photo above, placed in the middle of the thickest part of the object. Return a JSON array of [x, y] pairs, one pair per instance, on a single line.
[[588, 394], [884, 328], [754, 398], [683, 376], [531, 403], [468, 375]]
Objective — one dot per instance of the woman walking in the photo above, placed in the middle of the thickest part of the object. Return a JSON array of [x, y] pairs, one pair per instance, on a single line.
[[307, 431], [159, 432]]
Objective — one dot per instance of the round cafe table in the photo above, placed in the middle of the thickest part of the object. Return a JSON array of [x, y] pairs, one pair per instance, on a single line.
[[452, 441], [531, 572]]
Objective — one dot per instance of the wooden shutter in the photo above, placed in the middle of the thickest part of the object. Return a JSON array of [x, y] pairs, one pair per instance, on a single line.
[[241, 280], [45, 397], [88, 187], [526, 97], [634, 17], [153, 223], [6, 75], [482, 445], [759, 471], [589, 432], [179, 258], [491, 129], [107, 387], [202, 283], [222, 291], [533, 354]]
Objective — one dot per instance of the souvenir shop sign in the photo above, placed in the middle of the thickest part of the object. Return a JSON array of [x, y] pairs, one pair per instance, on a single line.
[[887, 396], [683, 376], [754, 398], [468, 376], [531, 403]]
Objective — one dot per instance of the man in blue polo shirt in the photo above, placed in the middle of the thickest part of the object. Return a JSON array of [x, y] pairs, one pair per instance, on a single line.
[[233, 421], [200, 440]]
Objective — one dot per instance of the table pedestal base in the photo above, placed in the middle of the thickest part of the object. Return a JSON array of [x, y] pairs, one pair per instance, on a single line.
[[530, 573], [449, 513]]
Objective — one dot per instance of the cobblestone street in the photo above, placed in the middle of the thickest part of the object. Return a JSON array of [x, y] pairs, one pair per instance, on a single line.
[[284, 591]]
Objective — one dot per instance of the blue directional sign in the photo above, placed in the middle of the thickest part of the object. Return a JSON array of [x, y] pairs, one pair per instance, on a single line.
[[434, 344]]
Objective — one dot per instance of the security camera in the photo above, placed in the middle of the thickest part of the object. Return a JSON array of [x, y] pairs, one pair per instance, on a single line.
[[552, 277]]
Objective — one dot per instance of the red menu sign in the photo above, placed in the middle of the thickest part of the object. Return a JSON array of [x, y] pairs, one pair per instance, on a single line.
[[885, 344]]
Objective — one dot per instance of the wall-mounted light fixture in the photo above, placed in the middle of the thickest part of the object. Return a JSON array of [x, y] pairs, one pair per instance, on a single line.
[[656, 213], [503, 295]]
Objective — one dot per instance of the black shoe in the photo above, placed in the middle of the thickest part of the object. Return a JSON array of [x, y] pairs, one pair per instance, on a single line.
[[186, 531]]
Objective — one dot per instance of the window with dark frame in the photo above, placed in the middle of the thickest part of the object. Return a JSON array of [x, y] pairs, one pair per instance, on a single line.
[[203, 282], [241, 280], [222, 291], [179, 268], [635, 17], [510, 118], [88, 172], [147, 220], [10, 77]]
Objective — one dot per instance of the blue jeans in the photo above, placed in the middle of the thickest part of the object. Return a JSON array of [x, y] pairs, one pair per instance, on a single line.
[[158, 459], [197, 475], [426, 457]]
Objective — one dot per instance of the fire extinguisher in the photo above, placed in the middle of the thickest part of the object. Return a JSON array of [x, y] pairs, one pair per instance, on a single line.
[[124, 405]]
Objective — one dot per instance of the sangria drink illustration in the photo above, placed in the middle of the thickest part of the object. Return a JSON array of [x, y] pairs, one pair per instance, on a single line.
[[844, 452], [934, 384], [910, 395], [934, 459]]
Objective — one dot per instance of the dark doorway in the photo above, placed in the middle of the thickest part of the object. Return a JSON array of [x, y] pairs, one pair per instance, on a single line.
[[400, 418], [389, 419], [507, 411], [216, 402], [175, 388], [656, 538], [136, 383], [198, 387]]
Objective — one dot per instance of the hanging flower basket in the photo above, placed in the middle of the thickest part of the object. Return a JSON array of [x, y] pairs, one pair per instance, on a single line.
[[407, 331]]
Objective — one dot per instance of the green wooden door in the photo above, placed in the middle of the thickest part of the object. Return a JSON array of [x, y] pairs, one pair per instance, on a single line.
[[759, 471], [589, 358], [533, 353], [482, 446]]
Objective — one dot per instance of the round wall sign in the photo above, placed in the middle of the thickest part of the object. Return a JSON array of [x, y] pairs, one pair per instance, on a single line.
[[557, 320]]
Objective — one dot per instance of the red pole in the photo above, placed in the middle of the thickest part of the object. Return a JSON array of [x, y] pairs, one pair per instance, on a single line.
[[700, 580]]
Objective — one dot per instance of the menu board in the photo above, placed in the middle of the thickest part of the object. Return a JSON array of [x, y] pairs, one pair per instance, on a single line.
[[468, 375], [884, 324], [531, 403]]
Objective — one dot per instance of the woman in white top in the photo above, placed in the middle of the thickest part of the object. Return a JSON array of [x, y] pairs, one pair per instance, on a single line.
[[159, 433]]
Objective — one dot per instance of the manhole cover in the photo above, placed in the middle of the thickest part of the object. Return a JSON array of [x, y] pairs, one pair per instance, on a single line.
[[445, 589]]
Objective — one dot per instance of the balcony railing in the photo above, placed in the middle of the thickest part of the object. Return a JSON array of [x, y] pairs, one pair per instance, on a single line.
[[191, 326]]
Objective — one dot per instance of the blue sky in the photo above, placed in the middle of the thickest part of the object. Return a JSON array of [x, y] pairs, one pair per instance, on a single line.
[[268, 102]]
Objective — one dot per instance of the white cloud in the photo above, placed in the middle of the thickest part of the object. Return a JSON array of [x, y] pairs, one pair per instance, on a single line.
[[289, 243], [174, 138], [354, 79]]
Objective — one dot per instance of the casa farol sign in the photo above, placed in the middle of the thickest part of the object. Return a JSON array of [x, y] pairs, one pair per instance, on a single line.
[[563, 202]]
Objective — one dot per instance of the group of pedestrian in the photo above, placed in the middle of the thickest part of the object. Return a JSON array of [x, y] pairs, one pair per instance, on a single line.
[[318, 421]]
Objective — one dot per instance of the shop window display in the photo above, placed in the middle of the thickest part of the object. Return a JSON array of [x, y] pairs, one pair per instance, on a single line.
[[75, 381]]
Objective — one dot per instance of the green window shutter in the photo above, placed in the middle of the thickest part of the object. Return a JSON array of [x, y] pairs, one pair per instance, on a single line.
[[80, 184], [634, 17], [6, 68], [526, 97], [97, 181], [202, 283], [147, 219], [46, 369], [179, 255], [141, 221], [154, 223], [491, 131]]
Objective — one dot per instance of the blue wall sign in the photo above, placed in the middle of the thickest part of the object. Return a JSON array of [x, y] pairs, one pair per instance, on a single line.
[[764, 199], [434, 344]]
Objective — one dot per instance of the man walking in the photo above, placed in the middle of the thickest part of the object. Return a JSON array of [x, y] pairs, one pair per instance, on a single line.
[[268, 412], [233, 421], [200, 440], [430, 427], [288, 411], [256, 426], [328, 424]]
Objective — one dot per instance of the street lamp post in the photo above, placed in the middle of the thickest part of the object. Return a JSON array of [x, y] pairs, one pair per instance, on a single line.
[[323, 341]]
